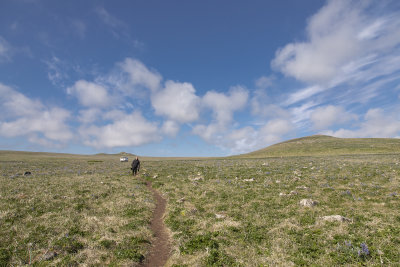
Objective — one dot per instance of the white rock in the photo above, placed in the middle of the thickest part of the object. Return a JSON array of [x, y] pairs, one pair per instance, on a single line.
[[249, 180], [219, 216], [308, 202], [302, 187]]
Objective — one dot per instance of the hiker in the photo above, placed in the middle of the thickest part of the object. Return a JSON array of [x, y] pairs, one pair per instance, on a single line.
[[135, 166]]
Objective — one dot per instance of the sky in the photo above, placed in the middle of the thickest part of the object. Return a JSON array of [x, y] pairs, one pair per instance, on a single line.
[[195, 78]]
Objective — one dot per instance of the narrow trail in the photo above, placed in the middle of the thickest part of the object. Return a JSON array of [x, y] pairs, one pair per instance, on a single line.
[[161, 248]]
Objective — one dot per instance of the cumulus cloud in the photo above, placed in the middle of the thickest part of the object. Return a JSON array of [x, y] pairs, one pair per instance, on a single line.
[[170, 128], [90, 94], [224, 133], [177, 101], [324, 117], [245, 139], [23, 116], [89, 115], [376, 124], [140, 75], [129, 130], [273, 131], [224, 105]]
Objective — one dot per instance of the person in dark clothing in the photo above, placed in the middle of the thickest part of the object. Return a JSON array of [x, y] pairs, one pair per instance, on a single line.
[[135, 166]]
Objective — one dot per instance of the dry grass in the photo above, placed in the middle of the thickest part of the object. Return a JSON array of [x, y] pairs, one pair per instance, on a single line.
[[221, 212], [82, 210]]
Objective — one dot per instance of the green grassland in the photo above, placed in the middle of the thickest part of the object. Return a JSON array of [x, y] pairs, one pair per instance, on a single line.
[[328, 145], [237, 211]]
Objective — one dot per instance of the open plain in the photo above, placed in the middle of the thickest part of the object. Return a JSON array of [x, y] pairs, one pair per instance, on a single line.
[[252, 210]]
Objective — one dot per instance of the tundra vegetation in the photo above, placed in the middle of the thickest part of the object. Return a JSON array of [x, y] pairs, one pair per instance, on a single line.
[[289, 210]]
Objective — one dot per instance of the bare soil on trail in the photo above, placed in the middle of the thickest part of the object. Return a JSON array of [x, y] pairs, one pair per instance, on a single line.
[[161, 246]]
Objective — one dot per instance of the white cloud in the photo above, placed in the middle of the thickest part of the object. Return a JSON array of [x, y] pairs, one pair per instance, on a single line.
[[177, 101], [273, 131], [303, 94], [140, 75], [264, 82], [242, 140], [170, 128], [245, 139], [90, 94], [107, 18], [211, 133], [5, 50], [89, 115], [25, 117], [223, 105], [341, 33], [130, 130], [376, 124], [56, 73], [324, 117]]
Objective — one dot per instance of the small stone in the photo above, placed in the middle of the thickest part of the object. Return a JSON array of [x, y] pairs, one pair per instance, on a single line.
[[49, 255], [282, 194], [249, 180], [293, 193], [302, 187], [308, 202], [219, 216], [181, 200]]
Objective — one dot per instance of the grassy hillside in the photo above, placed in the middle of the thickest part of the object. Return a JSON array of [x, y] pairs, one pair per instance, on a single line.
[[327, 145]]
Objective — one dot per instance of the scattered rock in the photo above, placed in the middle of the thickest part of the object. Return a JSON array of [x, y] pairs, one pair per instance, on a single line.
[[219, 216], [49, 255], [155, 176], [335, 218], [308, 202], [181, 200], [193, 211], [249, 180], [198, 178], [302, 187], [290, 194]]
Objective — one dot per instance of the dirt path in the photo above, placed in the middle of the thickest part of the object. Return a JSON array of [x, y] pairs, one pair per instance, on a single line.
[[161, 248]]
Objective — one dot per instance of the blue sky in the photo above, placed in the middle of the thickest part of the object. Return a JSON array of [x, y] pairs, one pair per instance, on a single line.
[[195, 78]]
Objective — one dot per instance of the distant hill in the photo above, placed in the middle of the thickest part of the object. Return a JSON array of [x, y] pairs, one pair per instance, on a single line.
[[327, 145]]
